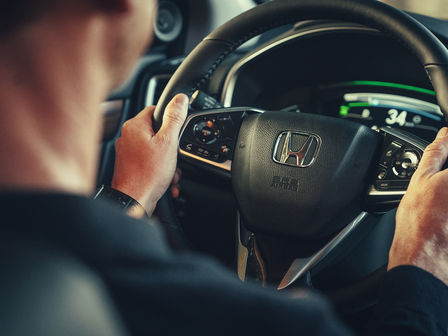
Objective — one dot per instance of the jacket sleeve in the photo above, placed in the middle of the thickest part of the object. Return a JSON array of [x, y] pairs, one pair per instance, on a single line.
[[411, 302], [193, 296]]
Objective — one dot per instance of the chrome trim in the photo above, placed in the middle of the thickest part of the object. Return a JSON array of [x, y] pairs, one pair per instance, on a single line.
[[232, 77], [300, 155], [99, 191], [227, 165], [243, 252], [152, 87], [375, 192], [301, 266], [420, 144]]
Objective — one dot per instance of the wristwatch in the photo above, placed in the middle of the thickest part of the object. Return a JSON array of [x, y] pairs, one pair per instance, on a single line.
[[123, 201]]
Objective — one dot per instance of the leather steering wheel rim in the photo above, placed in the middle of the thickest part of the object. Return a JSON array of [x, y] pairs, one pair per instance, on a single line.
[[201, 63]]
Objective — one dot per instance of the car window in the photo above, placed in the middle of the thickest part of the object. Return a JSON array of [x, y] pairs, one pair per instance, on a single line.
[[434, 8]]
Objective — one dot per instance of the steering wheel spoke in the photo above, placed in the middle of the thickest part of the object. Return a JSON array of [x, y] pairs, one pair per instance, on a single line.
[[399, 158], [301, 266], [208, 137]]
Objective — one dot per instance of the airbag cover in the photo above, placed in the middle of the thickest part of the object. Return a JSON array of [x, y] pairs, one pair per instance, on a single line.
[[277, 196]]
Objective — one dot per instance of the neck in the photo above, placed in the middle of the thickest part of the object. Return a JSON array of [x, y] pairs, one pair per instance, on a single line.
[[50, 122]]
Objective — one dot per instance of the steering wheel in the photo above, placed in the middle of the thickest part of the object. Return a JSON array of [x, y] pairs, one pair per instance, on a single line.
[[302, 176]]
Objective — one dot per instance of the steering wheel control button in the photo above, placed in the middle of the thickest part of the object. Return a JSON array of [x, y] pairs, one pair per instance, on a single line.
[[206, 131], [225, 149], [187, 146], [405, 164], [398, 163], [382, 174], [401, 156], [208, 138], [389, 154]]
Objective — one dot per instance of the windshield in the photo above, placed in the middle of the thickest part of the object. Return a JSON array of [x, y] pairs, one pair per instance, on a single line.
[[434, 8]]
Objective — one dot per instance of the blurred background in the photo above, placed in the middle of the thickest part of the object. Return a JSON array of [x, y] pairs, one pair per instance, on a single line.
[[435, 8]]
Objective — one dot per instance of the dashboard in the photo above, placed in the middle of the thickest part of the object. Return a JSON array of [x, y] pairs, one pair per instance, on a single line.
[[339, 70], [379, 104]]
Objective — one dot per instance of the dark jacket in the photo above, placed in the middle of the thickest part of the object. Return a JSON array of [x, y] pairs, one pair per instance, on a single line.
[[160, 293]]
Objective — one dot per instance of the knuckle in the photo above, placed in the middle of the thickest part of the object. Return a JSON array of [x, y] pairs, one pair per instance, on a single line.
[[433, 148], [175, 117], [436, 148], [127, 127]]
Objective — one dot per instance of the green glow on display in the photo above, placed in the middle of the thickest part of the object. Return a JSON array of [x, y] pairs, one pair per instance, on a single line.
[[359, 105], [390, 85], [344, 110]]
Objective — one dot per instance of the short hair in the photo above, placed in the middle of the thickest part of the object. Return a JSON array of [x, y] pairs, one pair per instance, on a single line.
[[16, 13]]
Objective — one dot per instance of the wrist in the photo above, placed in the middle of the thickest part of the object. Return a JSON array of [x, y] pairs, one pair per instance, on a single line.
[[144, 198], [131, 206]]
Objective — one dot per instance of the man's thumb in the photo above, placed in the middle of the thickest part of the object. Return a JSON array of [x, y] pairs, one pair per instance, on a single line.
[[174, 116]]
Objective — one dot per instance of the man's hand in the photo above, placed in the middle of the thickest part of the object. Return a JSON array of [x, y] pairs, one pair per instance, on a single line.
[[421, 234], [146, 162]]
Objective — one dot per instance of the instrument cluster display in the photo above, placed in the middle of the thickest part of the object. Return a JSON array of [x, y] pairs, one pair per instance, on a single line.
[[405, 107]]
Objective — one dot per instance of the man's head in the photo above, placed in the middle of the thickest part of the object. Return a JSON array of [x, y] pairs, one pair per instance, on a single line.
[[129, 24], [59, 59]]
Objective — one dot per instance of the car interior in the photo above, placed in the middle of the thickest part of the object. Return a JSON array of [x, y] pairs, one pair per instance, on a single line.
[[257, 193]]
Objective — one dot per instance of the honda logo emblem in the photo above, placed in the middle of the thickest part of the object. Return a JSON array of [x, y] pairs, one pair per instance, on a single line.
[[306, 154]]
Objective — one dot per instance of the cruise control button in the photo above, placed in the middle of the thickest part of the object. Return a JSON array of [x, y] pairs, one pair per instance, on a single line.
[[382, 174], [225, 149], [387, 159], [405, 164], [389, 155], [188, 147], [206, 131]]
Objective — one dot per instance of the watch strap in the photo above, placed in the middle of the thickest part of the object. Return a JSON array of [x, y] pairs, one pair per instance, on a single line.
[[122, 200]]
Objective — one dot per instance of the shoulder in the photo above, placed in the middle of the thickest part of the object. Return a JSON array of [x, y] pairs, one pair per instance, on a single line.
[[57, 294]]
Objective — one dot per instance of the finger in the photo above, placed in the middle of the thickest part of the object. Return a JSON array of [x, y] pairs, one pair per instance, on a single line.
[[117, 143], [175, 191], [177, 176], [435, 154], [174, 116], [142, 121]]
